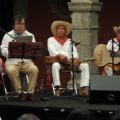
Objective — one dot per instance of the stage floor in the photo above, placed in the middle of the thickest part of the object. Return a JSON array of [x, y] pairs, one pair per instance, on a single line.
[[47, 102]]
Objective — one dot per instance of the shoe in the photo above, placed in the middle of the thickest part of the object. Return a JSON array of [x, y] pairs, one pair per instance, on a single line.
[[30, 97], [57, 92], [23, 97], [84, 91]]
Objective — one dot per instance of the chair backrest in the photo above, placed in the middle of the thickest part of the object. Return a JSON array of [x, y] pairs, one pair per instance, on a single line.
[[46, 52]]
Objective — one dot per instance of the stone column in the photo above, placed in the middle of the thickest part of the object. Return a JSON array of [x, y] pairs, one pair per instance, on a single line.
[[85, 27]]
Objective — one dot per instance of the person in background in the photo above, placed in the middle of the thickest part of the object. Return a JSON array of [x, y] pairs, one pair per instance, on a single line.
[[14, 65], [28, 117], [80, 114]]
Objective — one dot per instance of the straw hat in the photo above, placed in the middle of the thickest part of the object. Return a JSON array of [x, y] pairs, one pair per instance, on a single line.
[[116, 29], [63, 23]]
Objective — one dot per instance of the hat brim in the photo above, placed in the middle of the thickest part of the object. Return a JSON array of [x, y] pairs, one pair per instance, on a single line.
[[55, 24]]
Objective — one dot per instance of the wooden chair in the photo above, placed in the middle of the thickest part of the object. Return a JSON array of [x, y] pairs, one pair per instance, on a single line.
[[64, 75]]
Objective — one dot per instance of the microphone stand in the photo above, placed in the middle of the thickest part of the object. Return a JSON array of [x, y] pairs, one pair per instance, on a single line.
[[113, 56], [7, 33], [73, 73]]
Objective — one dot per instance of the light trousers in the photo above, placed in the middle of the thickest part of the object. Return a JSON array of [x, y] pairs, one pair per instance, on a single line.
[[29, 68], [84, 78], [108, 70]]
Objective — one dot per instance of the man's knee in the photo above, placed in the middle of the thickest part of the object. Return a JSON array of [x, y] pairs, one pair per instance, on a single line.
[[34, 68], [10, 69], [56, 65], [85, 65]]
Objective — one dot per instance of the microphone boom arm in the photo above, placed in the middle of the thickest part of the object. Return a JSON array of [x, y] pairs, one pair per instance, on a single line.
[[6, 32]]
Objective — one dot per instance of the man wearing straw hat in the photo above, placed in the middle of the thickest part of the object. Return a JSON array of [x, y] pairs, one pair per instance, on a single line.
[[113, 46], [60, 45]]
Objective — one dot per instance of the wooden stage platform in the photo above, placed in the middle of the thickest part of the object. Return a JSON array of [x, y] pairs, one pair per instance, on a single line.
[[48, 107]]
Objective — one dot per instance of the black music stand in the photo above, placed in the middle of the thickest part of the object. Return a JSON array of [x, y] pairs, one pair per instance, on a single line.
[[27, 50]]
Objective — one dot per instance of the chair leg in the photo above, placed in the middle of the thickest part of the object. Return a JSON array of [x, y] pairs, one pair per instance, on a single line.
[[5, 89], [27, 79], [53, 88], [75, 86]]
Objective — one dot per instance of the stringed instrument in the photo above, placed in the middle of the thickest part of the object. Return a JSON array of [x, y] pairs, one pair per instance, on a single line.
[[53, 59], [67, 63]]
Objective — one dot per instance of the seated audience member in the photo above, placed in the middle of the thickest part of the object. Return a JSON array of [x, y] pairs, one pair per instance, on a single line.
[[116, 115], [14, 65], [28, 117], [59, 45], [80, 114]]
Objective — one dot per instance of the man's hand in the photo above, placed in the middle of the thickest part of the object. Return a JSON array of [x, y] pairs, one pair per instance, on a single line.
[[62, 58], [76, 63]]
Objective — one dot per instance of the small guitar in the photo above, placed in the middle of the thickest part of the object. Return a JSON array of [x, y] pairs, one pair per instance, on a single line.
[[52, 59]]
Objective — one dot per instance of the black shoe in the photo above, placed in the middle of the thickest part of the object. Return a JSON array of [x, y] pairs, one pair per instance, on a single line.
[[23, 97], [30, 97]]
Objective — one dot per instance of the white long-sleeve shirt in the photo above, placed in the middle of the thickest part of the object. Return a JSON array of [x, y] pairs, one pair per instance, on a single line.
[[5, 43], [115, 45], [55, 48]]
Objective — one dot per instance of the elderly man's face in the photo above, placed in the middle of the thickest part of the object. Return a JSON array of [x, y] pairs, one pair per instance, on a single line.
[[61, 31]]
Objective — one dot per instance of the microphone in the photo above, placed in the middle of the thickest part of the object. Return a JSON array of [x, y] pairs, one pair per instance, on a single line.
[[74, 42], [16, 35]]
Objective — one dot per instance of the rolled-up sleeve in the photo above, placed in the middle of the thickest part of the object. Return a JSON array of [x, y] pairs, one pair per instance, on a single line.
[[115, 47]]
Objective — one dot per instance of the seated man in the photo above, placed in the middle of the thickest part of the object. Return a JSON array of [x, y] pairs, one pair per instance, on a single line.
[[14, 65], [59, 45], [113, 46]]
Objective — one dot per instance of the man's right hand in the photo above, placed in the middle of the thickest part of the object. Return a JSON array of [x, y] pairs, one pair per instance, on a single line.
[[62, 58]]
